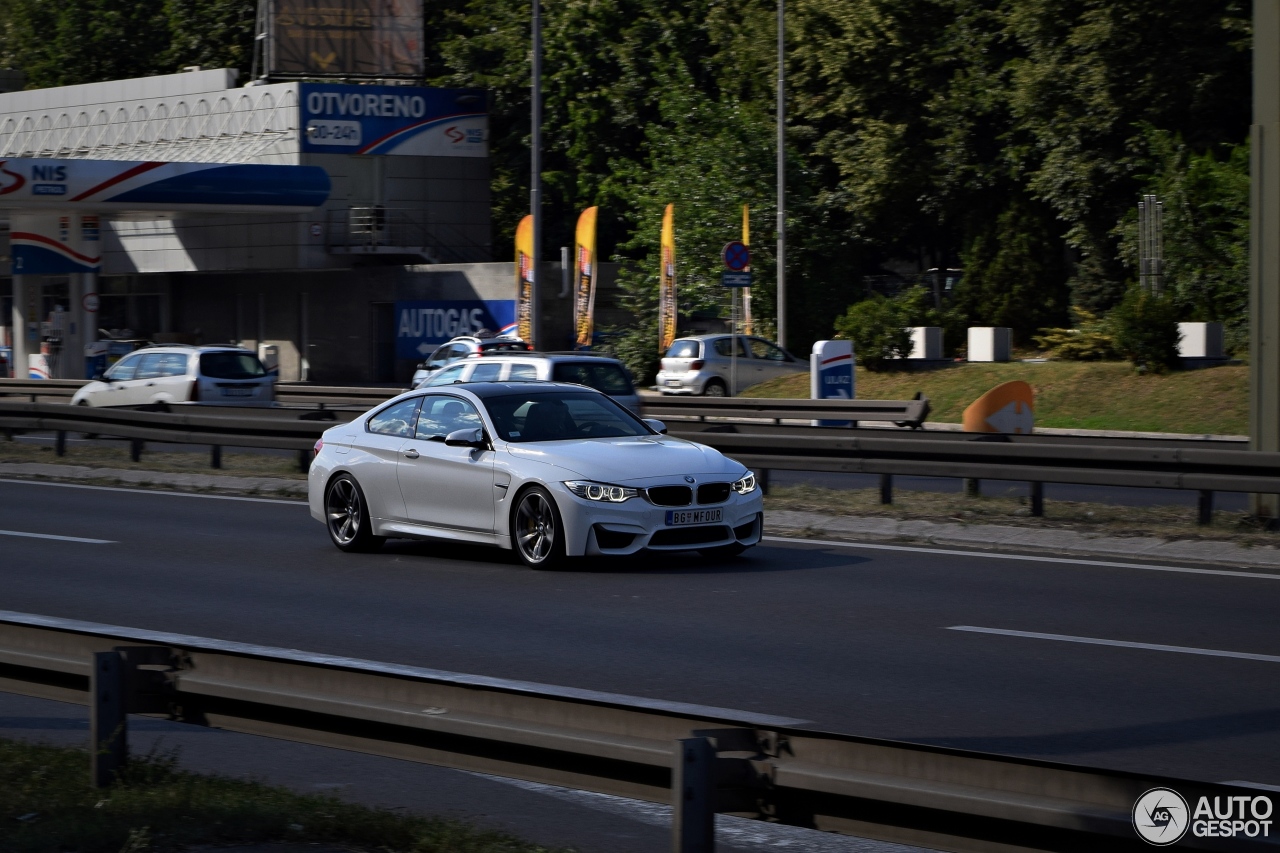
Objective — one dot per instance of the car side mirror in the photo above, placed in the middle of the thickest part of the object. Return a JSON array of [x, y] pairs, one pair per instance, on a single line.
[[471, 437], [656, 425], [98, 377]]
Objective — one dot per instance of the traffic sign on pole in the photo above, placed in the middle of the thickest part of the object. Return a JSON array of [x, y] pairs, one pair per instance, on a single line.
[[736, 255], [735, 279]]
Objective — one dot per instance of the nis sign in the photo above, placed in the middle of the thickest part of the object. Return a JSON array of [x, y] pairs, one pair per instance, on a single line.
[[405, 120]]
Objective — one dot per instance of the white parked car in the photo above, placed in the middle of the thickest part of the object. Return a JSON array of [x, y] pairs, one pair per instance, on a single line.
[[179, 373], [548, 470], [723, 365], [461, 347], [603, 373]]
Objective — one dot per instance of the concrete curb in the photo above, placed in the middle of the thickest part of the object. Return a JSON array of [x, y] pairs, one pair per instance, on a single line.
[[993, 537]]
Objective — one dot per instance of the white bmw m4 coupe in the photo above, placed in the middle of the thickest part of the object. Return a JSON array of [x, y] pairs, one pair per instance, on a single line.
[[546, 469]]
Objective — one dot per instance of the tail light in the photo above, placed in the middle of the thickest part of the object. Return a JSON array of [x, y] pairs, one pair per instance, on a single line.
[[195, 391], [696, 364], [319, 445]]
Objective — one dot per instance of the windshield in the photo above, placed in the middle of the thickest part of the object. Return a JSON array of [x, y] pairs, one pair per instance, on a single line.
[[561, 415], [600, 375], [231, 365]]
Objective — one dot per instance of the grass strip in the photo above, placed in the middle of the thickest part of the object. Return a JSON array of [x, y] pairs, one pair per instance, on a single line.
[[1174, 523], [47, 806], [1069, 395], [104, 455]]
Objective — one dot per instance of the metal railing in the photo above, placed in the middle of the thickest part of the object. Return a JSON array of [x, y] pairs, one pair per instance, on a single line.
[[700, 760]]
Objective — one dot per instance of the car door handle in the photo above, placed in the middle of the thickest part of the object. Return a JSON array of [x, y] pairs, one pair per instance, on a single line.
[[411, 454]]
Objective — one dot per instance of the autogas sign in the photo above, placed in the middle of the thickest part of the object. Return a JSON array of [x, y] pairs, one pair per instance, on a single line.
[[403, 120], [423, 326]]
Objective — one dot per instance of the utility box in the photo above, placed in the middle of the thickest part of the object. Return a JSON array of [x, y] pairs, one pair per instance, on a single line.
[[1200, 340], [926, 343], [269, 355], [990, 343]]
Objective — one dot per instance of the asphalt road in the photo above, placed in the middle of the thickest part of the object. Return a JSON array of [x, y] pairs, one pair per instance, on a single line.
[[855, 639]]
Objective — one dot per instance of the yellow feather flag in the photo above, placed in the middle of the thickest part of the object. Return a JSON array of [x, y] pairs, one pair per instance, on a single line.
[[667, 282], [746, 291], [524, 279], [584, 303]]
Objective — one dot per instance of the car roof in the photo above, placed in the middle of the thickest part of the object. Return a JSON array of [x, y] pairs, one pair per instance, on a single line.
[[548, 356], [499, 389]]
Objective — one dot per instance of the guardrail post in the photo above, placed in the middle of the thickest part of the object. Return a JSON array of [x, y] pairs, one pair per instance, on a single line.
[[60, 443], [135, 449], [762, 478], [886, 488], [304, 461], [107, 719], [1037, 499], [1205, 508], [215, 456], [972, 487], [693, 818]]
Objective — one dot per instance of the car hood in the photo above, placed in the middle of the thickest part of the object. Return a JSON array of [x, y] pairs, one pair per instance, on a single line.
[[619, 460]]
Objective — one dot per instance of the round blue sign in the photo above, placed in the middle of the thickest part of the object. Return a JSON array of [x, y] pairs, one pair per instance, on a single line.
[[736, 255]]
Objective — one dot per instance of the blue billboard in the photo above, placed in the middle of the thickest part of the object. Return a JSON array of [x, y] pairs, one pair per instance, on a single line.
[[404, 120], [423, 326]]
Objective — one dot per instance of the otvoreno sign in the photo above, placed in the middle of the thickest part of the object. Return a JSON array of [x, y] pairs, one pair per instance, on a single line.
[[404, 120], [423, 326]]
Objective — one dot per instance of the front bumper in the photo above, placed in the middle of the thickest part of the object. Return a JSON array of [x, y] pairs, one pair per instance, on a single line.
[[595, 529]]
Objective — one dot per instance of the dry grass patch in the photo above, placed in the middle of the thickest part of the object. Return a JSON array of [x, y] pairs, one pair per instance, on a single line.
[[116, 455]]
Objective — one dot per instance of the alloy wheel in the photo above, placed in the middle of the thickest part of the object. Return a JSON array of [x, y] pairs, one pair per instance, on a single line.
[[535, 528], [344, 511]]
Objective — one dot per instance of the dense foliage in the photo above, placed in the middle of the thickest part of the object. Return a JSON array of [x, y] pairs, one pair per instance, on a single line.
[[1010, 138]]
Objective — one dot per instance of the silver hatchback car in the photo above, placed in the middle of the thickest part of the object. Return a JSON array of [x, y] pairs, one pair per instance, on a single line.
[[720, 365]]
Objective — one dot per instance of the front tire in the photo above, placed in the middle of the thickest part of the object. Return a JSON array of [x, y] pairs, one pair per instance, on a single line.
[[537, 531], [715, 388], [347, 516]]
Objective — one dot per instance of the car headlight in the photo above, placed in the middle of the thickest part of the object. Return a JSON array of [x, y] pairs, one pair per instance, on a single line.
[[606, 492], [746, 485]]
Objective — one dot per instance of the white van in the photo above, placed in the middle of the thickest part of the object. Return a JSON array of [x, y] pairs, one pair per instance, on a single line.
[[175, 373]]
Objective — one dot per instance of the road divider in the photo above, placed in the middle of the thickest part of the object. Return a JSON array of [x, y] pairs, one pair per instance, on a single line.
[[701, 760]]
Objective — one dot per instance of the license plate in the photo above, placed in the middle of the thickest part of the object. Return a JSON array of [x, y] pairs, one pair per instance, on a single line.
[[673, 382], [677, 517], [237, 392]]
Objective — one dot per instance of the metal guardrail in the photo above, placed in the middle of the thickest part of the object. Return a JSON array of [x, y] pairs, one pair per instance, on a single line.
[[910, 413], [763, 447], [700, 760]]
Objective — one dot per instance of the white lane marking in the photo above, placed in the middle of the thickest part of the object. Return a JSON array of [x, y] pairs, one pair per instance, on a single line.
[[155, 492], [1124, 644], [990, 555], [80, 539], [739, 832], [1241, 783]]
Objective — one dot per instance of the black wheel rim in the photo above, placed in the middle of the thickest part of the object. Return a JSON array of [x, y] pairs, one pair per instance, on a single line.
[[343, 511], [535, 528]]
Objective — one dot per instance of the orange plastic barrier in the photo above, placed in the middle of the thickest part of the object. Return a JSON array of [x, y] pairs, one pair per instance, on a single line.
[[1006, 408]]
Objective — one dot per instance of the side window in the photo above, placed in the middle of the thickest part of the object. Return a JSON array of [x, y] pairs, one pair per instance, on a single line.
[[173, 364], [442, 415], [523, 371], [724, 347], [767, 351], [486, 372], [124, 369], [449, 375], [459, 351], [149, 367], [397, 420]]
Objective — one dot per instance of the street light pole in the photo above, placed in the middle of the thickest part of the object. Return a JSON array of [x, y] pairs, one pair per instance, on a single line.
[[782, 177], [535, 182]]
